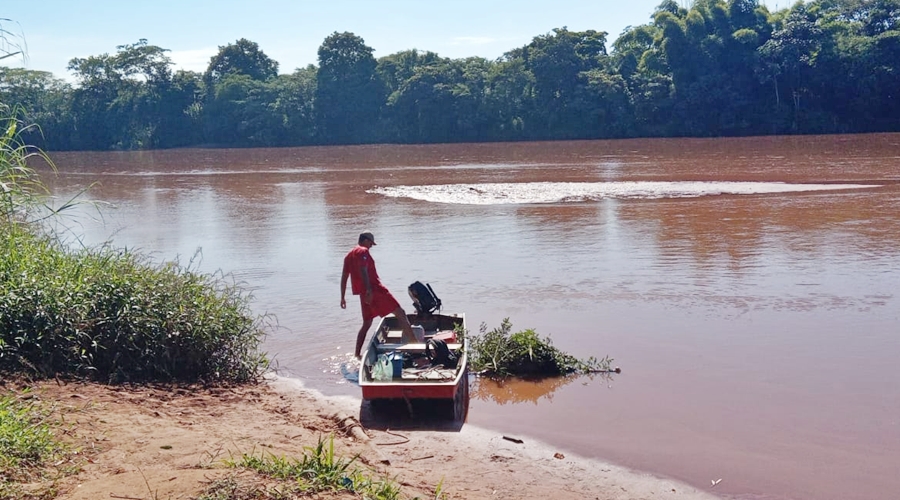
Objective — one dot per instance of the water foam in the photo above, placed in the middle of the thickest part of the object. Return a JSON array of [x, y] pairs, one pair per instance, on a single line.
[[568, 192]]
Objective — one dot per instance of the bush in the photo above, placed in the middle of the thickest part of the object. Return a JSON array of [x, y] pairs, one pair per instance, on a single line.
[[525, 353], [111, 315]]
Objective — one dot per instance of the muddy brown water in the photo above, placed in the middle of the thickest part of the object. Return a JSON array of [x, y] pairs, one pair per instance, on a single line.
[[756, 324]]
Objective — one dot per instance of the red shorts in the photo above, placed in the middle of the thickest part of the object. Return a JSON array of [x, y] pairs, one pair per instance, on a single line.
[[383, 303]]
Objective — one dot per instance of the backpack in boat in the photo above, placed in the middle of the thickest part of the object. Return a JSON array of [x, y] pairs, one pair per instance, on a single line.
[[424, 299], [440, 354]]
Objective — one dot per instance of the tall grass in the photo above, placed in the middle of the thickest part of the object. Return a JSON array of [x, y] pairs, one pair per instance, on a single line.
[[106, 313], [112, 315], [21, 192]]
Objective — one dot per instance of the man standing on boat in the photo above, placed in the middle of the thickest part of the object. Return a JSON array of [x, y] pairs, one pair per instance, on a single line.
[[374, 298]]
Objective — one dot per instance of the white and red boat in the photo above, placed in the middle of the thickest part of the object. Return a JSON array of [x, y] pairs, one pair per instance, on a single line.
[[392, 370]]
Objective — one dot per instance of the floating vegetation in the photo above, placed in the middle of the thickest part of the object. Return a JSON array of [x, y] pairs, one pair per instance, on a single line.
[[501, 353]]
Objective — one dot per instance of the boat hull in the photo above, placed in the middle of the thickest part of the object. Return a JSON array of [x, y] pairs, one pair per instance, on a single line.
[[454, 383]]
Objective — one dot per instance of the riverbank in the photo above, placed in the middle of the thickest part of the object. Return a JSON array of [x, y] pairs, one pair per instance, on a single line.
[[148, 443]]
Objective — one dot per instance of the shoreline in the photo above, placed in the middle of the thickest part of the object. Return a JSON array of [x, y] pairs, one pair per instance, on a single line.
[[173, 443], [536, 463]]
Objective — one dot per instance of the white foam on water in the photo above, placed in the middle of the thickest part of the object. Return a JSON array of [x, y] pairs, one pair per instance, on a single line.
[[568, 192]]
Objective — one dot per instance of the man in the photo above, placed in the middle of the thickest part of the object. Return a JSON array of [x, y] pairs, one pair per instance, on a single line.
[[374, 298]]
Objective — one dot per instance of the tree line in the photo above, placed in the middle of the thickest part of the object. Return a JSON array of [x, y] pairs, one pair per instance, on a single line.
[[718, 68]]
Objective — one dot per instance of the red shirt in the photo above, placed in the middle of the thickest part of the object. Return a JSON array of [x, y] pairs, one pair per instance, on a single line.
[[355, 260]]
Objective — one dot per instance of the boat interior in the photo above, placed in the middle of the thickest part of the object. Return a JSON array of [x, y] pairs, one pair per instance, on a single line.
[[415, 364], [389, 336]]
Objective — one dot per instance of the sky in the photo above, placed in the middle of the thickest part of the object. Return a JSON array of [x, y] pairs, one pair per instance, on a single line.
[[52, 32]]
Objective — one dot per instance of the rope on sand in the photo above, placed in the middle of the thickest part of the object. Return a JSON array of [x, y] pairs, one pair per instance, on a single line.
[[352, 427], [394, 434]]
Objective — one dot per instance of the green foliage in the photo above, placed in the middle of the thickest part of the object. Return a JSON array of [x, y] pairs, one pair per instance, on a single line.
[[319, 469], [129, 100], [501, 353], [242, 57], [348, 93], [26, 439], [112, 315], [27, 446]]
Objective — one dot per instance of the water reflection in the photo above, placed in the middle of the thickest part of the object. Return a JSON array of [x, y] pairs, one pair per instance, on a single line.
[[737, 230], [512, 390]]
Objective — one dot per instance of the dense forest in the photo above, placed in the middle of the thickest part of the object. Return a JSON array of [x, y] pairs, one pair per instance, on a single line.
[[719, 68]]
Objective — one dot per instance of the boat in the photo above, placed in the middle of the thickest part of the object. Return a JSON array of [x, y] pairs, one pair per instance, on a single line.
[[393, 370]]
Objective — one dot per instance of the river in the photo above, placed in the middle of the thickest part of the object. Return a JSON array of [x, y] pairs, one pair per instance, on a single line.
[[746, 287]]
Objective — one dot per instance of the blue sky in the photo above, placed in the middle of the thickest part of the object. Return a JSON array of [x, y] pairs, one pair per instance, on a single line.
[[290, 32]]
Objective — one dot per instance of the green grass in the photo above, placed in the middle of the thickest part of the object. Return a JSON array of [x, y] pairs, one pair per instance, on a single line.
[[113, 315], [27, 447], [318, 470]]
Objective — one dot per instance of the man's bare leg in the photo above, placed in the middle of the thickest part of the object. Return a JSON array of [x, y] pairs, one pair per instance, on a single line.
[[361, 337], [408, 336]]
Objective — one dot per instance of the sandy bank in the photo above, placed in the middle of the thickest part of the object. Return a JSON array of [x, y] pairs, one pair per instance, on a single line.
[[149, 443]]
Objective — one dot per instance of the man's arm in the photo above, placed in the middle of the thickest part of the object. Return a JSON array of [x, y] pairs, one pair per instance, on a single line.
[[345, 272]]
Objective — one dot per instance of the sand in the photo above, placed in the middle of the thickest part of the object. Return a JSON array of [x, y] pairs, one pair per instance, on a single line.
[[171, 443]]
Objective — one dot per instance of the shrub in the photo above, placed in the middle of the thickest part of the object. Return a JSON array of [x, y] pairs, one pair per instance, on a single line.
[[112, 315], [525, 353]]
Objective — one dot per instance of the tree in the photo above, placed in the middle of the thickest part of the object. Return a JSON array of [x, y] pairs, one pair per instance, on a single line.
[[158, 99], [605, 103], [788, 58], [95, 124], [558, 61], [128, 100], [630, 47], [508, 99], [294, 105], [857, 65], [348, 92], [43, 100], [240, 58], [441, 102], [710, 55], [178, 106], [397, 68]]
